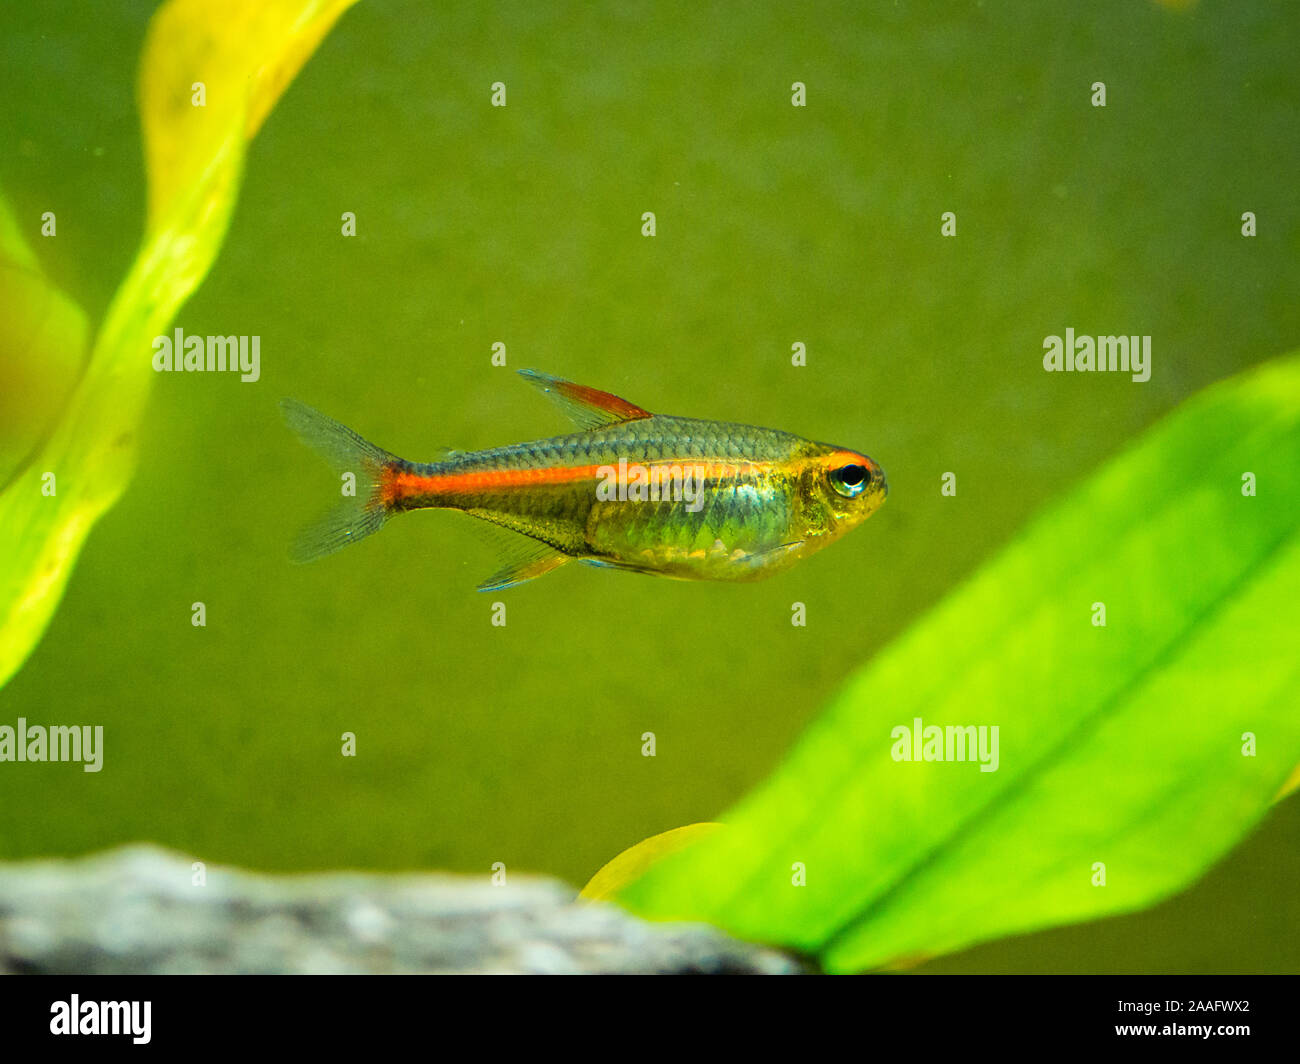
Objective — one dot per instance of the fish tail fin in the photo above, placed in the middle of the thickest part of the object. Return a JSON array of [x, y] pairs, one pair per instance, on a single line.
[[365, 504]]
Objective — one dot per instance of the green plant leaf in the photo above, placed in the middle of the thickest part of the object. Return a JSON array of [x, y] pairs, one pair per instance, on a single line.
[[245, 52], [1120, 746]]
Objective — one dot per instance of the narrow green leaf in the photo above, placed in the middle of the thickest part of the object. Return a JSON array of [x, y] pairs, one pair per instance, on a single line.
[[244, 53], [1127, 746]]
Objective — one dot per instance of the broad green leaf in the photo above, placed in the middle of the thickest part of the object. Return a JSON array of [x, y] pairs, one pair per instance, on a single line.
[[244, 52], [1126, 746], [633, 862]]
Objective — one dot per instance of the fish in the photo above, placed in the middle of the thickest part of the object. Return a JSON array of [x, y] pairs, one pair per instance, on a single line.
[[677, 497]]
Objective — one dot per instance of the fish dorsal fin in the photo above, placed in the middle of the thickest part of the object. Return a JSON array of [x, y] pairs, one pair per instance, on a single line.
[[589, 408]]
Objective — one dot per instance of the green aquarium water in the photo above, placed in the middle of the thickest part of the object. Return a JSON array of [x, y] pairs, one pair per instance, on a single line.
[[867, 220]]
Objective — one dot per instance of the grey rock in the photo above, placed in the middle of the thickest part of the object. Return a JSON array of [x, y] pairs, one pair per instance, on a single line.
[[137, 910]]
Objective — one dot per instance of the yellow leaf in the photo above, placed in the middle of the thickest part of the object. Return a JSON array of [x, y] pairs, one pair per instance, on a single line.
[[42, 348], [632, 863], [243, 55]]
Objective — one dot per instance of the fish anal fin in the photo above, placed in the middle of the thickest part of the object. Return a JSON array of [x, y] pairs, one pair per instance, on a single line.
[[523, 558], [589, 408], [524, 567]]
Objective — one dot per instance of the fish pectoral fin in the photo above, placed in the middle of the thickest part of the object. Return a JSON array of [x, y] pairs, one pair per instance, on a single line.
[[526, 562], [587, 407], [766, 557], [627, 567]]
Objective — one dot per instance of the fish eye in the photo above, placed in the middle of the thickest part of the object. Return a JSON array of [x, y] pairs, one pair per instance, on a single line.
[[850, 480]]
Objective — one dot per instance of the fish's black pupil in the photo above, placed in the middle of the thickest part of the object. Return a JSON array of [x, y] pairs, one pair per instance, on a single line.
[[852, 475]]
